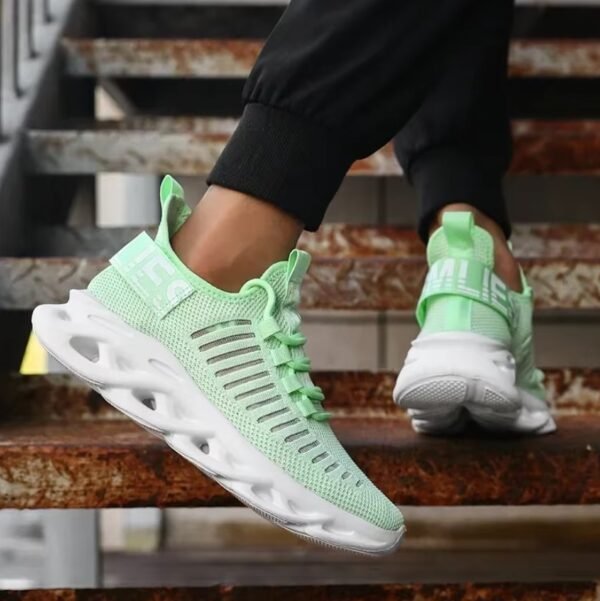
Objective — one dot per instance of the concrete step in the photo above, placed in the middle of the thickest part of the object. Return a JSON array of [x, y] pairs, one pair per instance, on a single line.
[[61, 446], [354, 267], [190, 146], [233, 58]]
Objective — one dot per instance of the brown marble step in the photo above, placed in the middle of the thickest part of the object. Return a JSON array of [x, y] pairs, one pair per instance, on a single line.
[[231, 58], [354, 267], [190, 146], [109, 463]]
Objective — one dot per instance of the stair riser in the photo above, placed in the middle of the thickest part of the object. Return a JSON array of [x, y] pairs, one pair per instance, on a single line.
[[64, 398]]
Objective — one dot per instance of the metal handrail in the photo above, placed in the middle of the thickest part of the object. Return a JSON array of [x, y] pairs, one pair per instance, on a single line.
[[10, 37], [31, 51], [16, 35]]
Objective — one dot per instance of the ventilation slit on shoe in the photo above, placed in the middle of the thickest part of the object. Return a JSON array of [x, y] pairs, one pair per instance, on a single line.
[[236, 353], [250, 393], [86, 347], [296, 435], [359, 483], [224, 340], [220, 326], [245, 380], [320, 457], [285, 425], [145, 398], [273, 415], [331, 467], [308, 447], [150, 403], [203, 446], [240, 366], [346, 475], [264, 403]]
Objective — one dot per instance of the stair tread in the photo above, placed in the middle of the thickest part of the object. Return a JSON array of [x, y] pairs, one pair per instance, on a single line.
[[354, 267], [190, 146], [138, 57], [114, 463]]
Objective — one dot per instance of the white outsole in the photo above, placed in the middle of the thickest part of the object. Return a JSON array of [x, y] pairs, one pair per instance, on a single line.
[[140, 377], [452, 378]]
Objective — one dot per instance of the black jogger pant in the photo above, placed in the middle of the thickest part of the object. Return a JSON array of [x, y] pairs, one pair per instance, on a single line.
[[337, 79]]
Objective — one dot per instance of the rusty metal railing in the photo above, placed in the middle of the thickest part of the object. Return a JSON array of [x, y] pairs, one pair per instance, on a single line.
[[18, 18]]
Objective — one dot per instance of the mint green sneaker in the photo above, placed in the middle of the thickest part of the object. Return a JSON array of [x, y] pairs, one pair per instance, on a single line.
[[223, 378], [473, 359]]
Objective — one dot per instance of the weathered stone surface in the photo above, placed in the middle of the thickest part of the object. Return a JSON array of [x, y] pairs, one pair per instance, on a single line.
[[61, 397], [191, 146], [234, 57], [354, 267], [111, 463]]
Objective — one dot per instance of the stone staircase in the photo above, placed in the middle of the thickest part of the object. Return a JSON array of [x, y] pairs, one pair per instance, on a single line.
[[61, 446]]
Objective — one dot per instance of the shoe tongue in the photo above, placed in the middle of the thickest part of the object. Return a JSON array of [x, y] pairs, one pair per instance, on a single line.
[[286, 279], [297, 266], [174, 212], [286, 276], [460, 238]]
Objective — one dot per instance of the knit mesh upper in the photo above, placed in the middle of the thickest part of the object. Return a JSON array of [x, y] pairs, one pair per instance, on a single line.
[[217, 338], [528, 377]]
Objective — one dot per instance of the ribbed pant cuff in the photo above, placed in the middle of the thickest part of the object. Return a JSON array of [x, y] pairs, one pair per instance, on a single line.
[[443, 176], [286, 160]]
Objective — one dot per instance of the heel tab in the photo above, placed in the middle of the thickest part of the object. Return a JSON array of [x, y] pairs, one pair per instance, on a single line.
[[459, 227], [461, 238], [174, 210]]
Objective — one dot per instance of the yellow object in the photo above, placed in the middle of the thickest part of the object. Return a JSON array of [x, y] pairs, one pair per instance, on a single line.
[[35, 359]]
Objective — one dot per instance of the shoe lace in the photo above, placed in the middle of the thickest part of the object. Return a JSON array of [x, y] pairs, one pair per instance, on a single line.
[[269, 328]]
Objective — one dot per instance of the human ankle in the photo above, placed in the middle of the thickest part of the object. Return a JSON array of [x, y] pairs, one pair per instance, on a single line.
[[505, 265], [231, 238]]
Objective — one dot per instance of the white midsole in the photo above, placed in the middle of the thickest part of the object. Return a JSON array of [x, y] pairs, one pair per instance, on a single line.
[[450, 373], [131, 366]]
